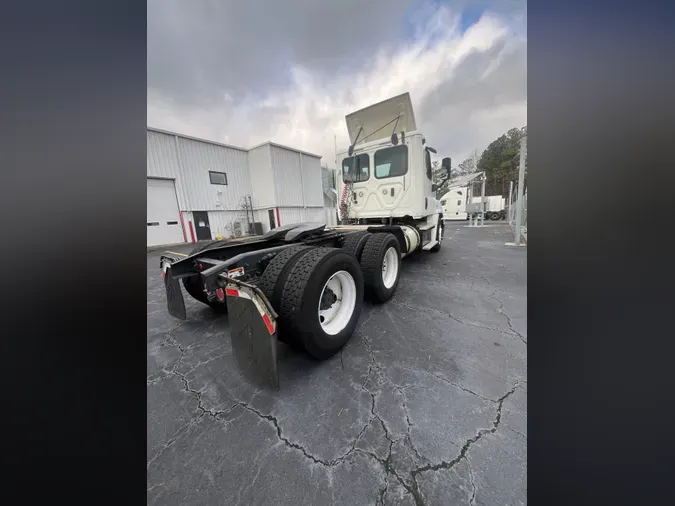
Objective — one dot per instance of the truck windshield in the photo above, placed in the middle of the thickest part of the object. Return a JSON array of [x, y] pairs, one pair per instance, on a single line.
[[391, 162], [356, 168]]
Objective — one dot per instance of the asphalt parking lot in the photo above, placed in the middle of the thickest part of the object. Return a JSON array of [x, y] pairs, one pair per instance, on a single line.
[[427, 403]]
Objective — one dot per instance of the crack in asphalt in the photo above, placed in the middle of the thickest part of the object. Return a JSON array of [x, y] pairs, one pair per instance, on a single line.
[[453, 317], [270, 418], [204, 362], [472, 499], [404, 404], [411, 488], [384, 490], [384, 378], [501, 311], [326, 463], [445, 380], [151, 488], [516, 431], [184, 429], [153, 379], [443, 465], [389, 469]]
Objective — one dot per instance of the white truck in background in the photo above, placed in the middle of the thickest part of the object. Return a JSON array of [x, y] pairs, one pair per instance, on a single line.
[[495, 206], [454, 204]]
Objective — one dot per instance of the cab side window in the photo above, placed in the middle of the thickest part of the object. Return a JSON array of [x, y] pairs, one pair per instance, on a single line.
[[427, 158]]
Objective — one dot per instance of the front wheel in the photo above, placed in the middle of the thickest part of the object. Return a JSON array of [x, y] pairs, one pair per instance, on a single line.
[[439, 237], [381, 262]]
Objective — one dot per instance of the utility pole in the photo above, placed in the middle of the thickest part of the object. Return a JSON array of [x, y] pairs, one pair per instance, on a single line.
[[252, 222], [521, 183], [482, 201], [510, 215]]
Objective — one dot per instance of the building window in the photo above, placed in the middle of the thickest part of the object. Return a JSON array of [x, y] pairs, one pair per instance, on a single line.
[[218, 177], [443, 202], [391, 162], [459, 202], [356, 169], [459, 193]]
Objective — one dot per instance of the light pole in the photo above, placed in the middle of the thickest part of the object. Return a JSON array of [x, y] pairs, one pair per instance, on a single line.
[[521, 183]]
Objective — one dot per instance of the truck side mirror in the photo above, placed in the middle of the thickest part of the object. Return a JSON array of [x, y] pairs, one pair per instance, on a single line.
[[445, 164]]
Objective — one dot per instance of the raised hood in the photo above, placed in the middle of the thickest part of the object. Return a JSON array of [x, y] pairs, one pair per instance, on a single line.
[[375, 116]]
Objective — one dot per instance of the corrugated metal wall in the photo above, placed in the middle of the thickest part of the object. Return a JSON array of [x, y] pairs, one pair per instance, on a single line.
[[287, 177], [197, 159], [298, 215], [311, 180], [297, 178], [262, 177], [316, 214], [221, 222]]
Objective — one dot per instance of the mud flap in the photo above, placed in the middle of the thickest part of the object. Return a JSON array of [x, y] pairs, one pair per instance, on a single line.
[[174, 296], [253, 332]]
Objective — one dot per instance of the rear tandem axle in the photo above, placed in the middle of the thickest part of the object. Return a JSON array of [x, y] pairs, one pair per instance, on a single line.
[[303, 284]]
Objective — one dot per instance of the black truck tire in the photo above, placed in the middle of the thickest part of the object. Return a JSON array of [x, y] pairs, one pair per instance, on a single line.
[[301, 301], [193, 284], [439, 237], [354, 242], [374, 266], [273, 279]]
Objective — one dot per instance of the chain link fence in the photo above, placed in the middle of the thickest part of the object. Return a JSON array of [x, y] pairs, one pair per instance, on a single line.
[[511, 212]]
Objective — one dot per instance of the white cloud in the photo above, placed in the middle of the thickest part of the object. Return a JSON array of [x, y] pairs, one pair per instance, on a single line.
[[467, 89]]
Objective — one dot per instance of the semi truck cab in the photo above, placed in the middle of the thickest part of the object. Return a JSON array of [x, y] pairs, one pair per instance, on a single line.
[[386, 173], [454, 204]]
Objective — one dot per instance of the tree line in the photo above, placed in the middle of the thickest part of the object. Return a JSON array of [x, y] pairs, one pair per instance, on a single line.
[[500, 162]]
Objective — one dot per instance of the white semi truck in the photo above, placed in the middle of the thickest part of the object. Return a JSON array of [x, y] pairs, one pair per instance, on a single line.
[[305, 283], [454, 204]]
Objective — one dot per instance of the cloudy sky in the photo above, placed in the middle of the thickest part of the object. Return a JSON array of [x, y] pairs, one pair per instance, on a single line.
[[289, 71]]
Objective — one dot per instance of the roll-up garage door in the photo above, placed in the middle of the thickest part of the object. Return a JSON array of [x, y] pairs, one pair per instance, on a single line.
[[163, 215]]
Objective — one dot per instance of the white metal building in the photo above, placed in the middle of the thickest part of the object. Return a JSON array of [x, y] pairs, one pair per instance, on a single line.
[[198, 189]]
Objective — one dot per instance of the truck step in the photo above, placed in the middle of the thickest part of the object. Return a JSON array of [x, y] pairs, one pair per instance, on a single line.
[[429, 245], [426, 227]]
